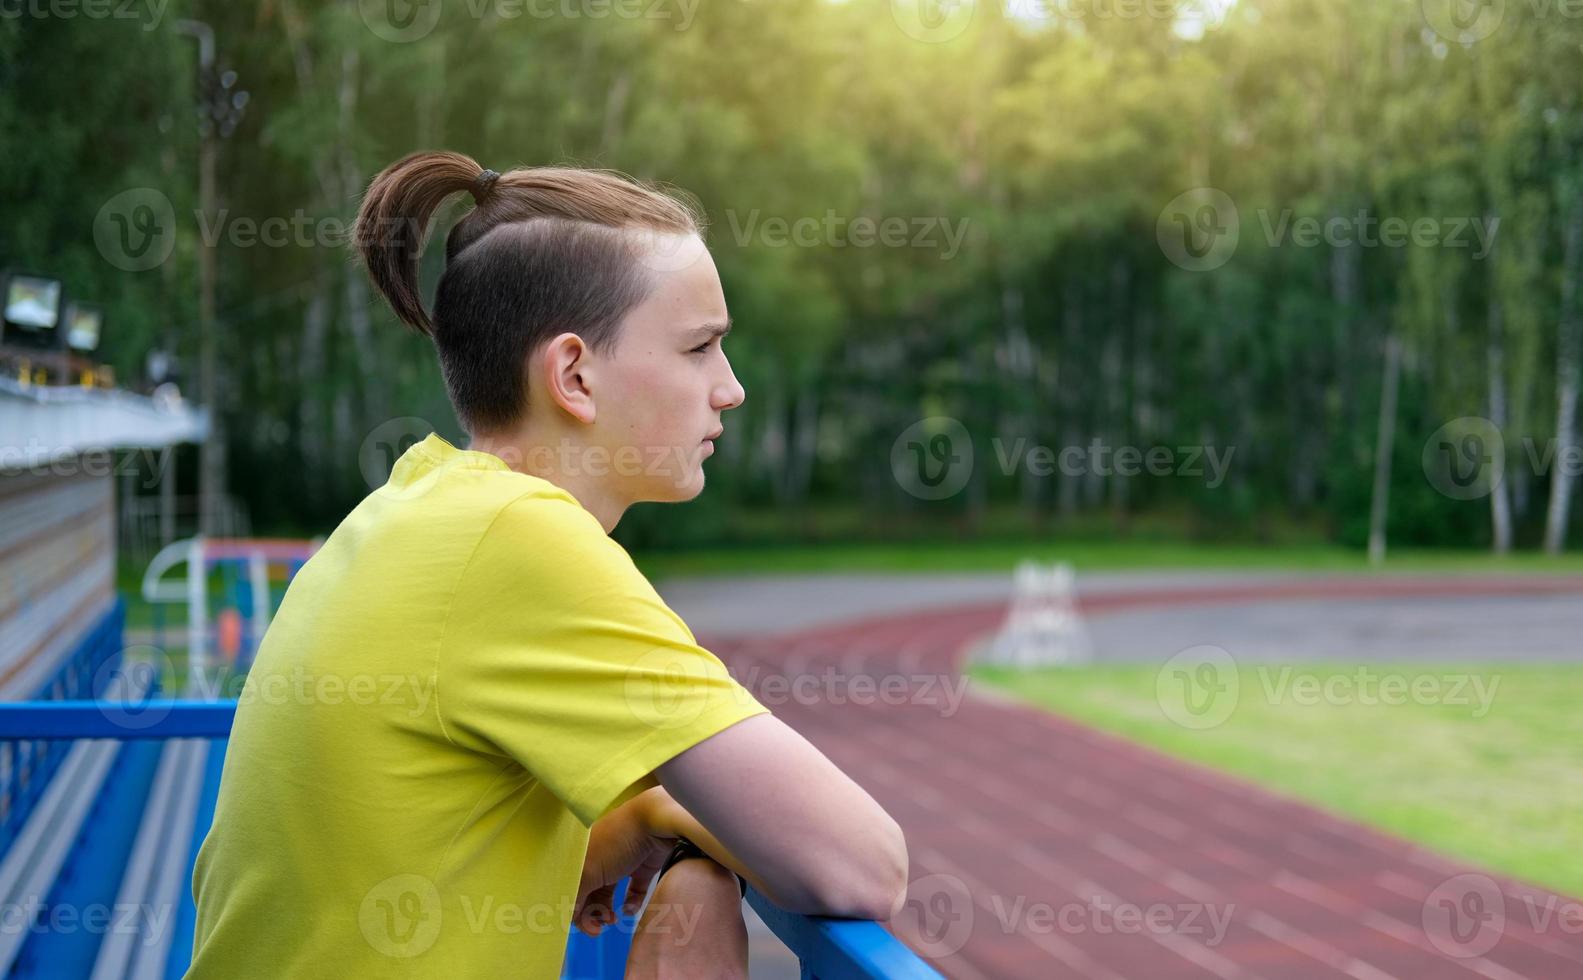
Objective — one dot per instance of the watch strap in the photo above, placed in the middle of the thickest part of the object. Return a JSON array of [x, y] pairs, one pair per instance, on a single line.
[[685, 849]]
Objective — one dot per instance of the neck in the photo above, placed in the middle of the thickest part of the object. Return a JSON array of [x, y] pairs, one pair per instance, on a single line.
[[557, 460]]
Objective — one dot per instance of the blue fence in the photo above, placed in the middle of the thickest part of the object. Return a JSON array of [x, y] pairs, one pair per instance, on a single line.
[[98, 864], [27, 765]]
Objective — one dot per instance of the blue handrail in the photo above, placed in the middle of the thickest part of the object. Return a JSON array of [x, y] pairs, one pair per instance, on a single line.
[[832, 949], [28, 765], [154, 718], [844, 948]]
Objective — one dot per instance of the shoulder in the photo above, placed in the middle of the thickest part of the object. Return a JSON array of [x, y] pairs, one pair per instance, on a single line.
[[546, 520], [544, 536]]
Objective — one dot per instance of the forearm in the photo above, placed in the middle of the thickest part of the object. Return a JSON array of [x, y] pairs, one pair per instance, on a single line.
[[823, 881], [668, 818], [818, 841]]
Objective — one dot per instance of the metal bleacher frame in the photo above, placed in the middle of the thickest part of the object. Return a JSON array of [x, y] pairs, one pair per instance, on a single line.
[[105, 800]]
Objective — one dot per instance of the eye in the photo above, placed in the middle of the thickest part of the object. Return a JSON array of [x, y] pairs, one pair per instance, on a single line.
[[703, 347]]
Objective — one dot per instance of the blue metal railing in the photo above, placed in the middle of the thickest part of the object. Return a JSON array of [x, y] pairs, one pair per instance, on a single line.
[[154, 718], [26, 764], [831, 949]]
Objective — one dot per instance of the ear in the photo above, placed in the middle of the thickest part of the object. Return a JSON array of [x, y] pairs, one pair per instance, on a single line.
[[567, 376]]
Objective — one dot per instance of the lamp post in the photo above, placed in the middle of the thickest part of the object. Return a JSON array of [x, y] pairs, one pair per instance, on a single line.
[[220, 107]]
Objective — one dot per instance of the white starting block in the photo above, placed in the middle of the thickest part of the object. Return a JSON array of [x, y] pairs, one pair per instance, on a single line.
[[1043, 627]]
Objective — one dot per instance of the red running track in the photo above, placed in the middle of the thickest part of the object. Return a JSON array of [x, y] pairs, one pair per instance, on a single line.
[[1042, 848]]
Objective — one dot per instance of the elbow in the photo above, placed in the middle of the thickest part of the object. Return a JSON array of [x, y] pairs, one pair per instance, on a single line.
[[878, 900], [888, 885], [885, 898], [870, 885]]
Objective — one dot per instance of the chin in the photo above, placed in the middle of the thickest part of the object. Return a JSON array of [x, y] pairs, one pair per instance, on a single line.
[[692, 490], [676, 491]]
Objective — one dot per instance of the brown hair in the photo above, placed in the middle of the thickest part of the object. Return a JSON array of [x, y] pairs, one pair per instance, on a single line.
[[546, 250]]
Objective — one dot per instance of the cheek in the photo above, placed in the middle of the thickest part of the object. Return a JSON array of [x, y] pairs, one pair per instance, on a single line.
[[654, 406]]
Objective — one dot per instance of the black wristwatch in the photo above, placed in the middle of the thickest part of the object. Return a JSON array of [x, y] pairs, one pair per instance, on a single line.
[[685, 849]]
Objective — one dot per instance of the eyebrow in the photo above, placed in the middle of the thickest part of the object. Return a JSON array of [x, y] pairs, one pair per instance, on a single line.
[[714, 329]]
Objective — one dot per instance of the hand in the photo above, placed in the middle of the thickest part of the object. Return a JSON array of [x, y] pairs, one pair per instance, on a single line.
[[624, 842]]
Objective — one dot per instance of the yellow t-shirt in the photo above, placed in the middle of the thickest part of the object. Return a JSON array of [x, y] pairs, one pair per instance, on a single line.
[[464, 677]]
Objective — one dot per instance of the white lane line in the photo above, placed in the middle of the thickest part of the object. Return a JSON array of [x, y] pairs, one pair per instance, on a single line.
[[1152, 819], [1326, 897], [1255, 919], [1053, 816], [1092, 792], [1056, 947], [1280, 931], [1087, 890], [1303, 847], [1418, 891]]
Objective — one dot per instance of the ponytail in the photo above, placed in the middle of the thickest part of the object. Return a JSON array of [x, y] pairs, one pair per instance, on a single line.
[[393, 225]]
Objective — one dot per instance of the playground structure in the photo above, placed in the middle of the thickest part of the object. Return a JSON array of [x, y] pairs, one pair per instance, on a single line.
[[248, 570]]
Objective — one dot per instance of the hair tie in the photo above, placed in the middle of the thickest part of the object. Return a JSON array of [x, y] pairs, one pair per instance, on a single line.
[[483, 184]]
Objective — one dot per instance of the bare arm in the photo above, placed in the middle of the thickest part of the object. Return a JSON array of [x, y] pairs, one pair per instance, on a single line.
[[767, 804]]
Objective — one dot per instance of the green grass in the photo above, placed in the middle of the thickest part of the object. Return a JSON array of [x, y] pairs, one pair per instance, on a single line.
[[1085, 555], [1502, 790]]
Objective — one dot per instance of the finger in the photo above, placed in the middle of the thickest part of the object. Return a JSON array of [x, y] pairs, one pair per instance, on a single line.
[[636, 893], [641, 881], [595, 907], [600, 898], [593, 919], [643, 877]]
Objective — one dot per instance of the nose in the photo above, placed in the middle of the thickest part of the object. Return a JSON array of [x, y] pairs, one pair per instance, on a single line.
[[729, 394]]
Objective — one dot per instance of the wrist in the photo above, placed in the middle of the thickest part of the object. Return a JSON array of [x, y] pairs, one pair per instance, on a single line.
[[656, 813], [688, 854]]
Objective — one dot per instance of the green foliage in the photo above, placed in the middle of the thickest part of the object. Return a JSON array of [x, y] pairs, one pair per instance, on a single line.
[[1055, 146]]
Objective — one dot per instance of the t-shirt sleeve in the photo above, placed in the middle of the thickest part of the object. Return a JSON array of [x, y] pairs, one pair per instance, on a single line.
[[560, 655]]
